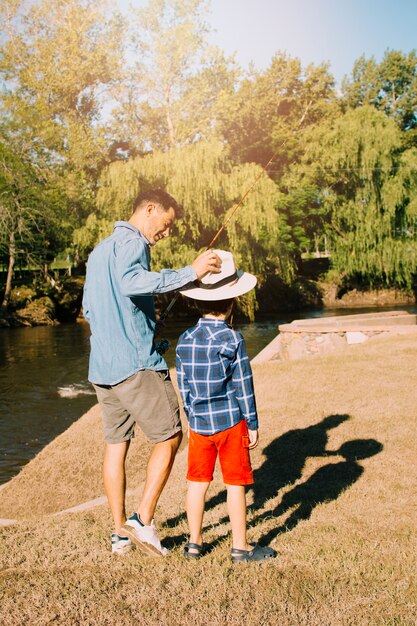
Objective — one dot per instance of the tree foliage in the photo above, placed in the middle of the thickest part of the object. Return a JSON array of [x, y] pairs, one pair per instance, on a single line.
[[96, 107], [31, 227], [390, 86], [270, 108], [203, 179], [171, 91], [57, 60], [366, 189]]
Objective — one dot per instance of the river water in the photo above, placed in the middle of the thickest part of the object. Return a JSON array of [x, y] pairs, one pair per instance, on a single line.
[[44, 387]]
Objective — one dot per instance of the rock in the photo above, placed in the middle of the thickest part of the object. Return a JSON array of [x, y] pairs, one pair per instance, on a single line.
[[331, 343], [37, 313], [296, 348], [355, 337]]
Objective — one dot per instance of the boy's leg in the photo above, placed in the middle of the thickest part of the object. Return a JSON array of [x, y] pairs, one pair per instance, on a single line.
[[236, 506], [237, 472], [201, 461], [196, 496]]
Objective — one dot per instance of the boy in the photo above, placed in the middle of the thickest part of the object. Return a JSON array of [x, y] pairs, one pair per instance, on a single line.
[[216, 387]]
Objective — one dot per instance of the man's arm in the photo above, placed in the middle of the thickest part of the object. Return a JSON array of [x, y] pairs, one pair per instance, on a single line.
[[136, 280], [243, 383]]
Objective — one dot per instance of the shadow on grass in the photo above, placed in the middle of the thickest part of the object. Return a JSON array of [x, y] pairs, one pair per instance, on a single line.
[[285, 460], [325, 485]]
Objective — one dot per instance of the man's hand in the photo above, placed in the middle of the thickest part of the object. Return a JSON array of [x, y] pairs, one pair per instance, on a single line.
[[253, 439], [206, 262]]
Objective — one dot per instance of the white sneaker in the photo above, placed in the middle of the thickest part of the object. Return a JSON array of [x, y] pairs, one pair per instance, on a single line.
[[121, 545], [144, 536]]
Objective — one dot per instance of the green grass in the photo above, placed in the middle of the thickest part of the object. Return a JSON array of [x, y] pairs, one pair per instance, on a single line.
[[334, 494]]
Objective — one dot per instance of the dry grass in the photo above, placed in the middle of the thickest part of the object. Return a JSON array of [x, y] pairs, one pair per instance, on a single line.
[[335, 481]]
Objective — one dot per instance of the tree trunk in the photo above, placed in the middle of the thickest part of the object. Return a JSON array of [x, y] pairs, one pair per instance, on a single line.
[[171, 132], [12, 257]]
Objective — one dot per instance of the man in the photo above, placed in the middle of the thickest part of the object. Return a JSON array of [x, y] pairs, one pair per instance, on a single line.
[[130, 377]]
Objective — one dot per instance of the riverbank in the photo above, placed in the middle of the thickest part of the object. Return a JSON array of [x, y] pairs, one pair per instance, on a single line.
[[44, 386], [56, 301], [43, 303], [334, 473]]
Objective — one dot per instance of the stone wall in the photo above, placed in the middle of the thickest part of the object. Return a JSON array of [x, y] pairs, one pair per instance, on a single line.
[[303, 338]]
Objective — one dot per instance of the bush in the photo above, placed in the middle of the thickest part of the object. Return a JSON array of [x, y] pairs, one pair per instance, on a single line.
[[21, 296]]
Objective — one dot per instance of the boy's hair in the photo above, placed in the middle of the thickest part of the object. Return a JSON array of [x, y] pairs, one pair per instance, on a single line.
[[158, 196], [213, 307]]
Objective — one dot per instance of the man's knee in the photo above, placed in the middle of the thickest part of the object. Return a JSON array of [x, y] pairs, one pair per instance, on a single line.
[[175, 441], [170, 445], [116, 452]]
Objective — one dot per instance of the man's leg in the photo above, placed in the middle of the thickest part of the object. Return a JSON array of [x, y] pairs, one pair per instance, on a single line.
[[157, 473], [140, 528], [114, 477], [150, 398]]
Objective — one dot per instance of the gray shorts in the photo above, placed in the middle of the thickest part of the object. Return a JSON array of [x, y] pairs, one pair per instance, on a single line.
[[146, 398]]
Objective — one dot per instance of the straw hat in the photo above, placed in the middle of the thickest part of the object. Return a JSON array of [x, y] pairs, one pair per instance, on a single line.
[[229, 283]]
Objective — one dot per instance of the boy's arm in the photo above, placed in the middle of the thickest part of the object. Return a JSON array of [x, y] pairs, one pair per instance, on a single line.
[[183, 385], [243, 384], [253, 439]]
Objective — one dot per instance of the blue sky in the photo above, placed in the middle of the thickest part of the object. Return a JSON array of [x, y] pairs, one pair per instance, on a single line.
[[335, 31]]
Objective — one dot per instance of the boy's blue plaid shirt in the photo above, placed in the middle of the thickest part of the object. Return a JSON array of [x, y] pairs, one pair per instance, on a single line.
[[215, 378]]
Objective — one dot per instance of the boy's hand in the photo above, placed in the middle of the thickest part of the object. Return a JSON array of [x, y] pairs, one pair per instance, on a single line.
[[253, 439]]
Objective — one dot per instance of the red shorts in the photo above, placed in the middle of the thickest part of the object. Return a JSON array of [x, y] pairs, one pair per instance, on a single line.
[[232, 446]]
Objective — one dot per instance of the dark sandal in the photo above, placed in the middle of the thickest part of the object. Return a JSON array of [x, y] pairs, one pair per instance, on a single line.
[[258, 553], [201, 550]]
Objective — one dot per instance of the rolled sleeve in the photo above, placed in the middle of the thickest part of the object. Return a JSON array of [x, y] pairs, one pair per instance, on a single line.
[[136, 279]]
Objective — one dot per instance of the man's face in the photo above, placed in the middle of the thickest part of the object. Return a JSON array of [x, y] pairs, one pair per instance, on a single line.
[[158, 223]]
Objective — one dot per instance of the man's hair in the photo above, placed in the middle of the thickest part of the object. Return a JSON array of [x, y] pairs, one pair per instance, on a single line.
[[214, 307], [157, 196]]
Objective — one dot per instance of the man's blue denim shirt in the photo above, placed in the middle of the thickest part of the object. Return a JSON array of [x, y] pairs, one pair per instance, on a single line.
[[118, 305]]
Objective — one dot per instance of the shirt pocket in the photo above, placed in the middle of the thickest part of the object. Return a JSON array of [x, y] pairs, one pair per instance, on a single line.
[[245, 456]]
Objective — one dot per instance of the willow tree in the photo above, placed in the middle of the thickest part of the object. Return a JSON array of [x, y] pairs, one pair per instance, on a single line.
[[366, 189], [204, 180]]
